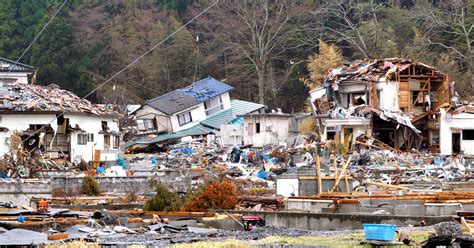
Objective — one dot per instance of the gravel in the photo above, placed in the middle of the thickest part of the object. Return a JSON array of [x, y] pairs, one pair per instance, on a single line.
[[167, 238]]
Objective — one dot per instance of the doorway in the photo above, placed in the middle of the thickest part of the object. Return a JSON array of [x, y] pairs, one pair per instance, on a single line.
[[456, 142]]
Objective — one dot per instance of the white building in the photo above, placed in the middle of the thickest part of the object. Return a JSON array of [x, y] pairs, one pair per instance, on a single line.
[[457, 131], [262, 129], [57, 123], [11, 72]]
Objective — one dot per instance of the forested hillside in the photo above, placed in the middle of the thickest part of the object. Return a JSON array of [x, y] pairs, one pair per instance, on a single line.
[[267, 49]]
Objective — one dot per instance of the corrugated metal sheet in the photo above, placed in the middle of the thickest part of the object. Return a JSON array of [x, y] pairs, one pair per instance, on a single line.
[[192, 131], [239, 107]]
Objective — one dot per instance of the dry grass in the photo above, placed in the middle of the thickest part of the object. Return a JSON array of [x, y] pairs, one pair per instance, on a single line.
[[73, 244], [230, 243]]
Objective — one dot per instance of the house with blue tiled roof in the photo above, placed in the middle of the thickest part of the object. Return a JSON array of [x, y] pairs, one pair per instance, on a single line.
[[198, 109]]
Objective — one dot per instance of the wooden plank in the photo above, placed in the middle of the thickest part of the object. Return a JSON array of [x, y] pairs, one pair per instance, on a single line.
[[320, 182], [467, 225], [336, 184], [151, 213], [388, 185]]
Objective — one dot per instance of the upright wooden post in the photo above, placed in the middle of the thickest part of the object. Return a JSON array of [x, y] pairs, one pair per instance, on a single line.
[[318, 167]]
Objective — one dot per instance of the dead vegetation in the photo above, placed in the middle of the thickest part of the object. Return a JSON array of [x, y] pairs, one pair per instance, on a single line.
[[215, 195]]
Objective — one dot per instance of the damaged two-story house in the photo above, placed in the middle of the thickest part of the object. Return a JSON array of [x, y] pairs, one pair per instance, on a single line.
[[202, 108], [400, 102], [57, 124]]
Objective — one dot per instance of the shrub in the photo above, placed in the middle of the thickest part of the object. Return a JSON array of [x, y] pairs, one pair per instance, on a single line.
[[90, 186], [164, 200]]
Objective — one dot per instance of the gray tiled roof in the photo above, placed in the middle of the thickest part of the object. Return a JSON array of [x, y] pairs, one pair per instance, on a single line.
[[189, 96], [10, 65]]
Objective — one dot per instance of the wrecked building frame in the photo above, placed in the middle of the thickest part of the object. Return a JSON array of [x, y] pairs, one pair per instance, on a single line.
[[390, 94]]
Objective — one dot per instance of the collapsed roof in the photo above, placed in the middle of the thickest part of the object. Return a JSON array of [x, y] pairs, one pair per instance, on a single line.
[[181, 99], [375, 69], [36, 98]]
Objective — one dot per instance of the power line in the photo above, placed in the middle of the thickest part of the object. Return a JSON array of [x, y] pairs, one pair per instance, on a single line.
[[36, 37], [130, 64], [153, 48]]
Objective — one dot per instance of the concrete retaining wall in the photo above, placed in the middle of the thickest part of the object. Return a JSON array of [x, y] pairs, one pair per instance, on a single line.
[[325, 222], [20, 193]]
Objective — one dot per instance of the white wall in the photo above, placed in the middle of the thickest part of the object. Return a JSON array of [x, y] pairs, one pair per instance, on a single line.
[[287, 187], [388, 95], [92, 124], [231, 134], [198, 114], [22, 77], [278, 125], [450, 124], [226, 100]]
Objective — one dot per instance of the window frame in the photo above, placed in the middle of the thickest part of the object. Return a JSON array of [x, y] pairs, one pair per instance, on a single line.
[[213, 105], [116, 144], [184, 121], [82, 138], [145, 124]]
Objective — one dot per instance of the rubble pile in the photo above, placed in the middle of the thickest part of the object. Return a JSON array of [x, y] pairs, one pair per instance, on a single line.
[[27, 97]]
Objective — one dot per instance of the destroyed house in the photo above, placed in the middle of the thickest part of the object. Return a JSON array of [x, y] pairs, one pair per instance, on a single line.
[[14, 72], [56, 124], [200, 109], [395, 102], [183, 108]]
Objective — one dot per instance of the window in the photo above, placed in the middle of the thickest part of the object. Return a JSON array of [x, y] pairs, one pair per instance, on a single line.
[[105, 128], [81, 138], [467, 134], [90, 137], [257, 127], [330, 133], [116, 141], [145, 124], [106, 141], [213, 105], [359, 99], [184, 118], [379, 97]]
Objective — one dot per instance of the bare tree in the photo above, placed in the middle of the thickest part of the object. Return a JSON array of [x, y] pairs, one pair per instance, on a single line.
[[451, 28], [345, 20], [259, 33]]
